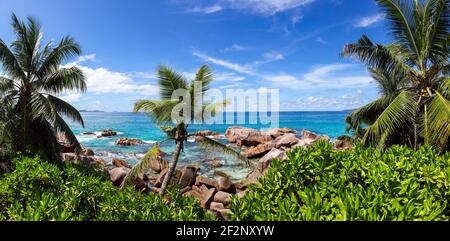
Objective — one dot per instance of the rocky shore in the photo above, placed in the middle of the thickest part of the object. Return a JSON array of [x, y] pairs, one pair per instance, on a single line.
[[214, 194]]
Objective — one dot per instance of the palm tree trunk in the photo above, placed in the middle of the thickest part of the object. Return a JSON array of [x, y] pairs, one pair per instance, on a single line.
[[173, 165]]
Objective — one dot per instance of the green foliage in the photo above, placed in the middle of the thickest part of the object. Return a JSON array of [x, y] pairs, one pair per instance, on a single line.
[[412, 76], [320, 183], [32, 78], [38, 190]]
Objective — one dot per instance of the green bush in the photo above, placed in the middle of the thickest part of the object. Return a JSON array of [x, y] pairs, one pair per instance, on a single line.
[[320, 183], [37, 190]]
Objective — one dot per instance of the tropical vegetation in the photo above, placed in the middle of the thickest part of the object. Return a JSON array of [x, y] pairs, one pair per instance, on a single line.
[[33, 78], [412, 74], [186, 106], [322, 184], [39, 190]]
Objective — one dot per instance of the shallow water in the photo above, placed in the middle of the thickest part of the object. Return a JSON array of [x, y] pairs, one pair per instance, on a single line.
[[140, 126]]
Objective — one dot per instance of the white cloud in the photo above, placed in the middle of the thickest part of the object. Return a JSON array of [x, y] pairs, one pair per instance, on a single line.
[[326, 76], [346, 101], [103, 80], [260, 7], [218, 76], [226, 64], [234, 48], [228, 76], [296, 19], [370, 20], [267, 7], [206, 10], [273, 56], [71, 97], [85, 58], [321, 40]]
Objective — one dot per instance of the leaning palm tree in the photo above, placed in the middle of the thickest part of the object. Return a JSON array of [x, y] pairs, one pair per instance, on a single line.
[[415, 70], [161, 112], [33, 77]]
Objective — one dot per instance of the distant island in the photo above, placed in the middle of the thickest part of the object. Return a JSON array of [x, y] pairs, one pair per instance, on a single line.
[[91, 111]]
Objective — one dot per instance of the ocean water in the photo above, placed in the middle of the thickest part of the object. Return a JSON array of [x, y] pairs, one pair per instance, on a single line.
[[140, 126]]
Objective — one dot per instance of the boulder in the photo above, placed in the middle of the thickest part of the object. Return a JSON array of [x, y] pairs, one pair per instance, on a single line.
[[344, 144], [241, 194], [173, 180], [265, 161], [188, 176], [88, 152], [118, 174], [259, 150], [88, 160], [286, 140], [224, 184], [108, 133], [88, 134], [194, 194], [208, 182], [253, 177], [223, 213], [246, 136], [66, 148], [207, 198], [309, 137], [69, 156], [120, 163], [277, 132], [222, 197], [324, 138], [129, 142], [186, 189], [239, 186], [216, 206], [206, 133]]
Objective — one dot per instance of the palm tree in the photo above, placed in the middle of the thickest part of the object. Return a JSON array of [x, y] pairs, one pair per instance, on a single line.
[[413, 75], [161, 113], [33, 77]]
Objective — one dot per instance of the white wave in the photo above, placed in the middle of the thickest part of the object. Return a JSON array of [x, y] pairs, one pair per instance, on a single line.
[[149, 142]]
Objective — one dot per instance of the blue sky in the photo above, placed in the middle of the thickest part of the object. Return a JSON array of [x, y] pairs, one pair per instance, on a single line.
[[291, 45]]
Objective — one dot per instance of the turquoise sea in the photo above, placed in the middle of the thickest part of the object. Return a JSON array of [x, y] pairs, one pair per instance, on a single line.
[[139, 125]]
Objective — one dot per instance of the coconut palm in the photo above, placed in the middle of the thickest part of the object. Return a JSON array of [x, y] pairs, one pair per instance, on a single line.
[[413, 73], [161, 112], [33, 77]]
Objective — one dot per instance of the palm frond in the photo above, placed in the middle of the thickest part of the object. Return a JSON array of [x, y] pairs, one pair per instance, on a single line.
[[169, 81], [438, 120], [438, 12], [66, 49], [214, 108], [204, 76], [398, 114], [63, 79], [211, 144], [5, 84], [159, 110], [377, 56], [169, 130], [444, 88], [368, 114], [9, 62], [400, 14], [140, 167], [65, 108]]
